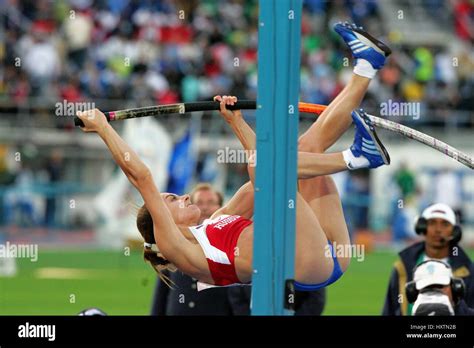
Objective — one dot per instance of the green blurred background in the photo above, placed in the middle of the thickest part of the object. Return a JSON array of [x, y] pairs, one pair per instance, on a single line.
[[66, 282]]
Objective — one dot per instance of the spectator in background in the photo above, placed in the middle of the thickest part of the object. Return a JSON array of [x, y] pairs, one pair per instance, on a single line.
[[438, 226], [360, 10], [391, 75], [405, 180], [54, 169], [40, 57], [19, 198], [70, 91], [18, 87], [445, 69], [402, 223], [357, 200], [183, 298], [424, 64], [464, 19], [6, 177], [78, 33]]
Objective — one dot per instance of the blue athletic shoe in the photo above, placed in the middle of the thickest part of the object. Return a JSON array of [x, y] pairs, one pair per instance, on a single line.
[[363, 45], [366, 142]]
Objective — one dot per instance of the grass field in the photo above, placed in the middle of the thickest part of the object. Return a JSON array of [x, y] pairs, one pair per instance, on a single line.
[[65, 282]]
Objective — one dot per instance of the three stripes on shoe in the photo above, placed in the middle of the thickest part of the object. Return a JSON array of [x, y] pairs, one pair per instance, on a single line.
[[368, 146], [357, 46]]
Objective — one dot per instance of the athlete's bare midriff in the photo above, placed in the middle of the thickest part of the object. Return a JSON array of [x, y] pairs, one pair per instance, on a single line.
[[243, 255]]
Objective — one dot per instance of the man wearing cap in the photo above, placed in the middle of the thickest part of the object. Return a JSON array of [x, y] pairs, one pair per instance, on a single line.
[[436, 292], [438, 226]]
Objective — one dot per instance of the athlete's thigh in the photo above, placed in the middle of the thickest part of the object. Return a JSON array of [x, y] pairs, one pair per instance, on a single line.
[[313, 262], [323, 199]]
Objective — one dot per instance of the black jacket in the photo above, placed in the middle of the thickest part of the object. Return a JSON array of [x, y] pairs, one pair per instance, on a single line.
[[184, 299], [403, 273], [306, 302], [462, 309]]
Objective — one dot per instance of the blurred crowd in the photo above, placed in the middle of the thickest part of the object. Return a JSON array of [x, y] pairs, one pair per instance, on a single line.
[[164, 51]]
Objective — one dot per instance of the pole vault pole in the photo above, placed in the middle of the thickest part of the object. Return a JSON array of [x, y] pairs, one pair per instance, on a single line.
[[276, 171]]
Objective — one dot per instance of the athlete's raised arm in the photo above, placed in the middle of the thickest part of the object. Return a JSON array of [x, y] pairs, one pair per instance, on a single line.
[[171, 242], [242, 201], [235, 119]]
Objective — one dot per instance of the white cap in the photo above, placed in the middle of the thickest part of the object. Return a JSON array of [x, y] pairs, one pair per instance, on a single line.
[[432, 273], [440, 210]]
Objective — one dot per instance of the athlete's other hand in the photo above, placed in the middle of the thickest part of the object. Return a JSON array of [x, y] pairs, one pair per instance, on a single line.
[[94, 120], [229, 115]]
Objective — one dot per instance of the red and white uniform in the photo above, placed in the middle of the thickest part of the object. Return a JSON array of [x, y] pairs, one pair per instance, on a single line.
[[218, 239]]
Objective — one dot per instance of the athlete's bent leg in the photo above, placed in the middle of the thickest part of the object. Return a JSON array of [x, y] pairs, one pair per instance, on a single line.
[[321, 192], [336, 118]]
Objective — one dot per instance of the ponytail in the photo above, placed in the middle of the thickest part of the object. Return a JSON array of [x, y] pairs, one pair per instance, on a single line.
[[159, 264], [154, 257]]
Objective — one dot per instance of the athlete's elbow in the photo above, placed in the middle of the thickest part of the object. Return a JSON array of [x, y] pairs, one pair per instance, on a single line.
[[142, 177]]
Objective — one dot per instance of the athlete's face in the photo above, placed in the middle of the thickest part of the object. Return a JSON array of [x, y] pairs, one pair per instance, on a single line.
[[438, 233], [181, 208], [207, 201]]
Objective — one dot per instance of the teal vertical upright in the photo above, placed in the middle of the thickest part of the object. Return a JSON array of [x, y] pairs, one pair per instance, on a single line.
[[276, 172]]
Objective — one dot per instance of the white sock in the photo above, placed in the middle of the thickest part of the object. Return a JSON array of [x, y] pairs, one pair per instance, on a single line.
[[364, 68], [353, 162]]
